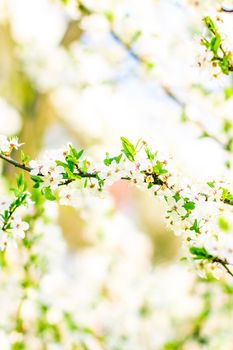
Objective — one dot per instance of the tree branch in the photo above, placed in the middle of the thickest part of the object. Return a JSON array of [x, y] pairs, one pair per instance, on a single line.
[[224, 263], [224, 9], [15, 163]]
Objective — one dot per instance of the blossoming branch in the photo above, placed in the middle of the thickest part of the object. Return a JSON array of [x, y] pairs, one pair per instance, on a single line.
[[200, 213]]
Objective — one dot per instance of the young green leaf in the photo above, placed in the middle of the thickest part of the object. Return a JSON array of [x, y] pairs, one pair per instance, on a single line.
[[48, 194], [128, 149]]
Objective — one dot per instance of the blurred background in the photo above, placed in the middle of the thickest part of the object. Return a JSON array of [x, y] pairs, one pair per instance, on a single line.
[[89, 72]]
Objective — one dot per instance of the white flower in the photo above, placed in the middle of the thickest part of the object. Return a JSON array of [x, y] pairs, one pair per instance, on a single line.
[[18, 227], [4, 144], [37, 168], [52, 182], [111, 173], [4, 203], [69, 196], [14, 143], [176, 206]]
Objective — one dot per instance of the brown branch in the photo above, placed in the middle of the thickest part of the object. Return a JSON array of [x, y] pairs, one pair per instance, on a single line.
[[224, 263], [224, 9], [15, 163]]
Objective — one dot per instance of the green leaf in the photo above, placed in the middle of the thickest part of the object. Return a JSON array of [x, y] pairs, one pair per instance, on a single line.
[[24, 158], [227, 125], [48, 194], [36, 178], [189, 205], [215, 43], [223, 224], [20, 180], [150, 65], [184, 117], [69, 173], [229, 145], [184, 258], [205, 42], [70, 321], [225, 63], [19, 345], [228, 164], [150, 155], [199, 253], [195, 226], [211, 184], [109, 15], [108, 160], [21, 183], [128, 149], [227, 197], [228, 92], [158, 168], [177, 197], [210, 24], [74, 153], [60, 163], [135, 37]]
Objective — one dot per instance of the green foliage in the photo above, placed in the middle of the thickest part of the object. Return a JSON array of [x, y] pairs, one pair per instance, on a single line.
[[215, 43], [108, 160], [189, 205], [21, 183], [47, 192], [72, 163], [228, 92], [223, 224], [209, 24], [225, 63], [151, 156], [19, 345], [227, 197], [150, 65], [68, 318], [211, 184], [135, 37], [74, 154], [24, 158], [183, 117], [128, 149], [37, 181], [110, 16], [158, 168], [195, 226], [229, 144], [221, 57], [199, 253], [177, 197]]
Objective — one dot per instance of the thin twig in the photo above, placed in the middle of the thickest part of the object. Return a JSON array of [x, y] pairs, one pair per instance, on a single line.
[[224, 9], [227, 269], [15, 163], [224, 263]]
